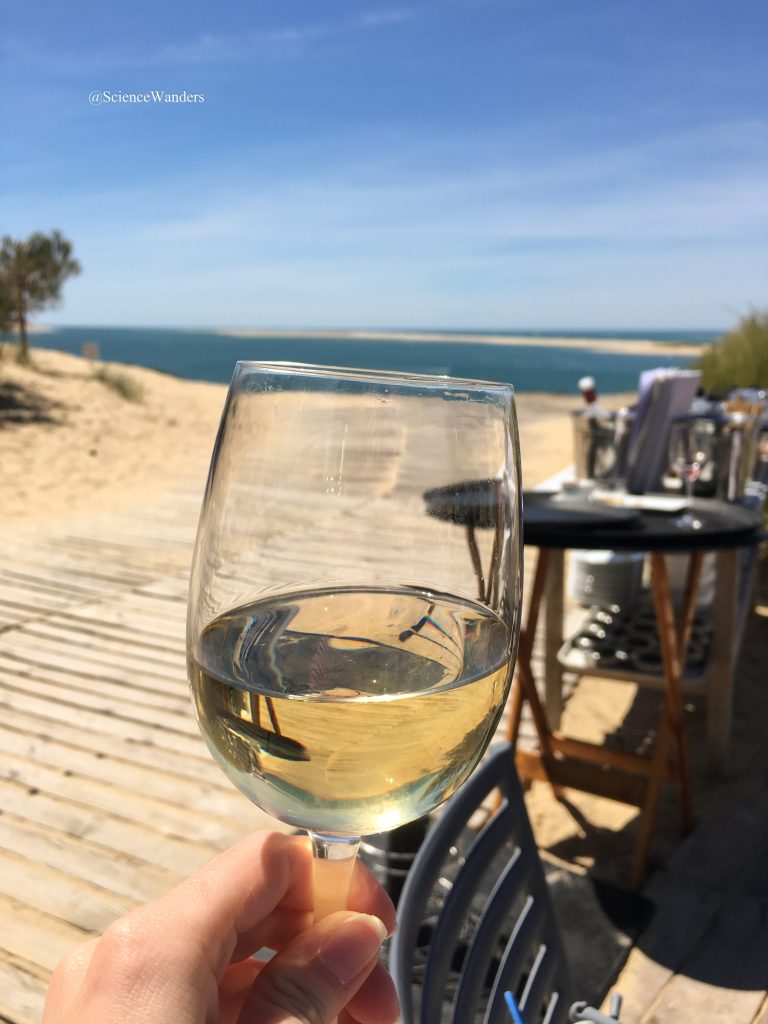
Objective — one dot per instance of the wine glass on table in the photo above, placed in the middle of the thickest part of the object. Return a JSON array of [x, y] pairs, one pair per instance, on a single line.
[[349, 651], [690, 448]]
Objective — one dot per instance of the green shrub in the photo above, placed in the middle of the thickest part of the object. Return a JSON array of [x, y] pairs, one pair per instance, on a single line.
[[125, 386], [740, 358]]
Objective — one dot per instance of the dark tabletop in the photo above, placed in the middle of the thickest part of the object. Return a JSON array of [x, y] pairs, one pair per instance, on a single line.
[[551, 522]]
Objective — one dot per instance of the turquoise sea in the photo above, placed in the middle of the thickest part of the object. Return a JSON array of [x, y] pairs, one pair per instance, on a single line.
[[209, 355]]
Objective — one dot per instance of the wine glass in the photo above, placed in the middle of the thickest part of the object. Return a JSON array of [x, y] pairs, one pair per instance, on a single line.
[[690, 447], [350, 646]]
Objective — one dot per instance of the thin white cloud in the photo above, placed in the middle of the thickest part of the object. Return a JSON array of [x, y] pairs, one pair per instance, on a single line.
[[675, 225], [386, 16], [286, 41]]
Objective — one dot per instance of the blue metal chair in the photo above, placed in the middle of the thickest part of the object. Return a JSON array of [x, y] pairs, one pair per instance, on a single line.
[[476, 918]]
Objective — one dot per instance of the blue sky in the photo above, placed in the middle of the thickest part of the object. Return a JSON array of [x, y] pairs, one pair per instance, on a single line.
[[453, 163]]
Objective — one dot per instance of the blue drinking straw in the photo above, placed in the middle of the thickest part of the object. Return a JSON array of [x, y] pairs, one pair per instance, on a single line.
[[517, 1017]]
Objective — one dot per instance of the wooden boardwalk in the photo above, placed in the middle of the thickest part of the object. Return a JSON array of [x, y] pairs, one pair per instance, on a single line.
[[108, 796]]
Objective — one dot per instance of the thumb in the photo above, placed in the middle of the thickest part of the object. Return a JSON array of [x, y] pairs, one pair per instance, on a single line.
[[318, 973]]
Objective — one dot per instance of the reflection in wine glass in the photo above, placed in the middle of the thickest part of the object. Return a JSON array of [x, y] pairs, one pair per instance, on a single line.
[[349, 656], [690, 448]]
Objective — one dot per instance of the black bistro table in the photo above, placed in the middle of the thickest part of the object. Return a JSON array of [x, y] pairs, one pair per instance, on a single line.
[[553, 524]]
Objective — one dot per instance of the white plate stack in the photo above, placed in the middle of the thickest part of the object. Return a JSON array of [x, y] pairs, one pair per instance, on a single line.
[[606, 577]]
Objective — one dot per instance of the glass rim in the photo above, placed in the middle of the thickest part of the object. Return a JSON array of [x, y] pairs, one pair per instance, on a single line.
[[358, 373]]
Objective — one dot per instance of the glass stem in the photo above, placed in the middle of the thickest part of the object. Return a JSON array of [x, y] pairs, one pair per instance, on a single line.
[[334, 861], [689, 494]]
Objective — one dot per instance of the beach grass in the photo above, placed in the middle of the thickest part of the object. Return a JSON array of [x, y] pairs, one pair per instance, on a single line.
[[740, 358], [123, 384]]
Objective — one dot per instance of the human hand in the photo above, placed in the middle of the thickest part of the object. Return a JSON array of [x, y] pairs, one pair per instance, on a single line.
[[186, 958]]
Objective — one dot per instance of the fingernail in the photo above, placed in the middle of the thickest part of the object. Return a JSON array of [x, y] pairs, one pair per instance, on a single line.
[[352, 946]]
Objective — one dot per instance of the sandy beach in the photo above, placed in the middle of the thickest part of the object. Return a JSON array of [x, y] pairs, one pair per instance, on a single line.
[[71, 444]]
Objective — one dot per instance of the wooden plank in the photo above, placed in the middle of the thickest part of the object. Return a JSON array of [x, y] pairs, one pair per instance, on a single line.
[[158, 563], [114, 618], [588, 778], [122, 636], [37, 937], [725, 975], [701, 1001], [166, 588], [732, 842], [640, 981], [20, 597], [38, 558], [21, 646], [131, 878], [604, 756], [124, 650], [164, 615], [61, 896], [12, 615], [124, 751], [684, 912], [144, 725], [159, 816], [220, 800], [23, 674], [128, 837], [22, 991], [50, 582]]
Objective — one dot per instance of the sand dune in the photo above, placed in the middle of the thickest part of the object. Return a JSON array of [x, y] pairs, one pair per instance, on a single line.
[[69, 443]]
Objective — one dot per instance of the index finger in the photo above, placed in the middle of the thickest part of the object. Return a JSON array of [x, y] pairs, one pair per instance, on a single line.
[[228, 897], [366, 896], [258, 893]]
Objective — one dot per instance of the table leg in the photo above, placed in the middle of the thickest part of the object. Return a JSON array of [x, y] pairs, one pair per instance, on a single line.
[[526, 685], [477, 565], [556, 750], [673, 659], [650, 806], [553, 638], [688, 610]]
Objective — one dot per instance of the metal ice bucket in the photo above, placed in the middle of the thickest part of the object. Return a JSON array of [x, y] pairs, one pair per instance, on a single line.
[[600, 444], [734, 439]]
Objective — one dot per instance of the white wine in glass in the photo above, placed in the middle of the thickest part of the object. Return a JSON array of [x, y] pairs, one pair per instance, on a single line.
[[350, 651]]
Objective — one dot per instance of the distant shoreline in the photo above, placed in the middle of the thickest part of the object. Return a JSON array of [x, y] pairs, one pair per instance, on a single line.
[[615, 345], [619, 346], [532, 361]]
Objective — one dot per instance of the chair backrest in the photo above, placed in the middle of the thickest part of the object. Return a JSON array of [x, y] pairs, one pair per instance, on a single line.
[[475, 919]]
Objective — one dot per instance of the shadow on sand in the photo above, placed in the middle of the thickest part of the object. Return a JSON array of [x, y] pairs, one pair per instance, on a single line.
[[20, 404]]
